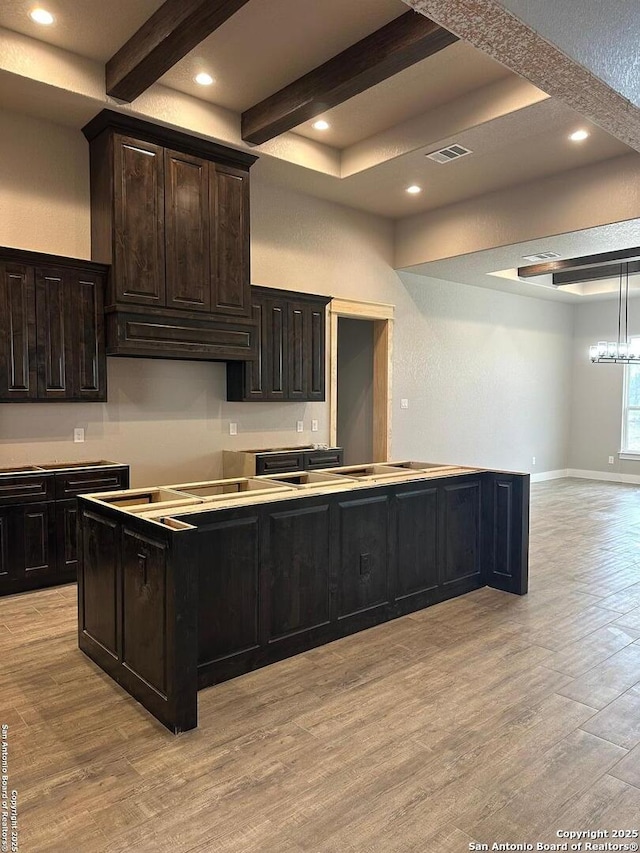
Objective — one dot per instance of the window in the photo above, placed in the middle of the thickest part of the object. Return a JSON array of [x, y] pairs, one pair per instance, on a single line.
[[631, 408]]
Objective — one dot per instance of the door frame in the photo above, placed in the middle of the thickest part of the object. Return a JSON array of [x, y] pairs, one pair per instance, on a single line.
[[381, 313]]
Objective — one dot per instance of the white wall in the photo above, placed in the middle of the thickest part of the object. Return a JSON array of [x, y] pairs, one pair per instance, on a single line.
[[486, 373]]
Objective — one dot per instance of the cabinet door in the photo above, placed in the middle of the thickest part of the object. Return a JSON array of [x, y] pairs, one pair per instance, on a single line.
[[56, 325], [138, 257], [275, 350], [256, 376], [18, 376], [67, 539], [6, 553], [314, 347], [71, 355], [416, 541], [459, 531], [187, 232], [363, 571], [87, 356], [296, 351], [35, 540], [230, 270], [299, 571]]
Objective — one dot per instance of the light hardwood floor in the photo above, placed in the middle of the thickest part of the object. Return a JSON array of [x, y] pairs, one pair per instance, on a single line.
[[488, 718]]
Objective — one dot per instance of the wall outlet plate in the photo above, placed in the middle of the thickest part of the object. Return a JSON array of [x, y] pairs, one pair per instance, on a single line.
[[611, 460], [314, 426], [78, 435], [233, 429], [300, 426], [404, 403]]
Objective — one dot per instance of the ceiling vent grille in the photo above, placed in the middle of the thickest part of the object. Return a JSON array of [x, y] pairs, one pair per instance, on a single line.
[[543, 256], [452, 152]]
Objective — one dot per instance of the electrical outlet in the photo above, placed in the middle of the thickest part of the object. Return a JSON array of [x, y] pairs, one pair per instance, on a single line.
[[300, 426], [533, 460], [314, 426], [233, 429], [611, 460], [404, 403], [78, 435]]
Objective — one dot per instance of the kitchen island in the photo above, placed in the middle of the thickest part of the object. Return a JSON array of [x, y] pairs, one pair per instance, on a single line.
[[185, 586]]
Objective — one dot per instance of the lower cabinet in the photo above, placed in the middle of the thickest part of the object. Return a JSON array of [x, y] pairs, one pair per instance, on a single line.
[[38, 530], [363, 528], [27, 544], [302, 572]]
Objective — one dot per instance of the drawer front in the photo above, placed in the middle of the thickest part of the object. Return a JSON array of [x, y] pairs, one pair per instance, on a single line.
[[323, 459], [278, 463], [69, 484], [26, 489]]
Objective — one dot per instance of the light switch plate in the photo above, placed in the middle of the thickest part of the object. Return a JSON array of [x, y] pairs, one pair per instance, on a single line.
[[233, 429], [78, 435]]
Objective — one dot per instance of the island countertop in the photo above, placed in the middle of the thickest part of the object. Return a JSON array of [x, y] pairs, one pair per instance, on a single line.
[[172, 505]]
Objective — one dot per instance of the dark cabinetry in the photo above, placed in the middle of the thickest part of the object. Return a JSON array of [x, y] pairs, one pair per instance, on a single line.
[[51, 328], [307, 571], [307, 460], [165, 610], [290, 365], [170, 212], [38, 522]]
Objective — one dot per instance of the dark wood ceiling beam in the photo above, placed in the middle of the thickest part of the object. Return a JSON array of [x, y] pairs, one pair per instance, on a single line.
[[595, 273], [170, 33], [583, 263], [401, 43]]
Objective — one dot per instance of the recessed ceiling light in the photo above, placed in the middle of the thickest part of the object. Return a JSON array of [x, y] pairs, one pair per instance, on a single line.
[[414, 189], [579, 135], [41, 16], [321, 124], [203, 78]]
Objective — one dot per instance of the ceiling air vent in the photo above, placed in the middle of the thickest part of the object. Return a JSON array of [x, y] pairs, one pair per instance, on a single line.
[[543, 256], [446, 155]]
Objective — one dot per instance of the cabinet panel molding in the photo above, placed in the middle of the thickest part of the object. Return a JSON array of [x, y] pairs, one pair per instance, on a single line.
[[18, 371], [292, 345], [51, 328]]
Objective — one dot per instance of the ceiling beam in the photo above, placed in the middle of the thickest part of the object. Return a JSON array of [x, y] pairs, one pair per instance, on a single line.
[[595, 273], [170, 33], [401, 43], [582, 263]]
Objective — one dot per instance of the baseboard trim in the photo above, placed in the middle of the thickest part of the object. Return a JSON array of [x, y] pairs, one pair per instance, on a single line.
[[603, 475], [560, 474]]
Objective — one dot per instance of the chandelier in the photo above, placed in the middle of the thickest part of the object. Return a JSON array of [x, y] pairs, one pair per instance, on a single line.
[[622, 351]]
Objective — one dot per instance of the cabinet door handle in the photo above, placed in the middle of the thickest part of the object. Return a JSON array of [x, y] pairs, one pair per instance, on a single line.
[[365, 566], [142, 565]]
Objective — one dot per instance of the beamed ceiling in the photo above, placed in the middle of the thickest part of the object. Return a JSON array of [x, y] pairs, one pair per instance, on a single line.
[[393, 86]]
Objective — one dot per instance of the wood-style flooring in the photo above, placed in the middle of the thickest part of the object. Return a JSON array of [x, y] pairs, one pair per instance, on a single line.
[[489, 718]]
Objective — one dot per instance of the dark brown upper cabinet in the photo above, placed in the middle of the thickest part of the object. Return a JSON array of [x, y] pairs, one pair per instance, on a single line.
[[170, 213], [51, 328], [138, 217], [291, 360]]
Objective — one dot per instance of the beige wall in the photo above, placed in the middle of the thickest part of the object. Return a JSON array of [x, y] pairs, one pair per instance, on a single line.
[[487, 375], [571, 201], [596, 400], [485, 372]]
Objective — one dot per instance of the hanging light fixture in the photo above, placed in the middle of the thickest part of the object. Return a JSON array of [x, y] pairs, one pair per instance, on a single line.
[[622, 351]]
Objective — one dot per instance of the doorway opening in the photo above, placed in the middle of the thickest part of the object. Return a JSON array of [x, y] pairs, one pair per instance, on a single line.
[[360, 379], [355, 389]]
